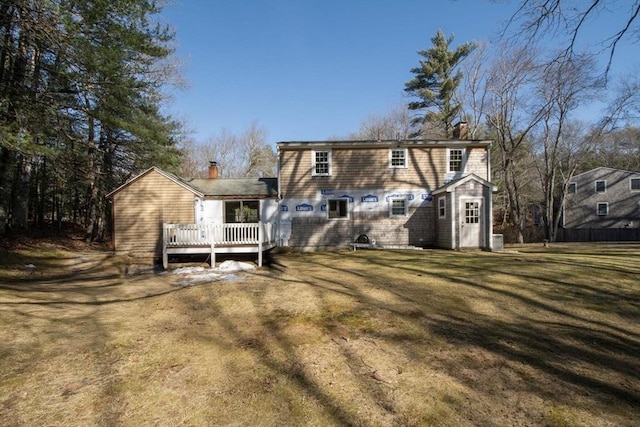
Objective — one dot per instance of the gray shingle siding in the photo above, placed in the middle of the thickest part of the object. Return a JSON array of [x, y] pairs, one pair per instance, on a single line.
[[623, 203]]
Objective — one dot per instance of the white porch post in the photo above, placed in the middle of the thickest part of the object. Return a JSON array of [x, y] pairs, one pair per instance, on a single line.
[[260, 238]]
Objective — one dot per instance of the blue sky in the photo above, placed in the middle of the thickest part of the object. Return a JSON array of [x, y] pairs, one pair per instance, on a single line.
[[313, 69]]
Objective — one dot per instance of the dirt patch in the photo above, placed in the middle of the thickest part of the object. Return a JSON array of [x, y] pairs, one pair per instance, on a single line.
[[529, 337]]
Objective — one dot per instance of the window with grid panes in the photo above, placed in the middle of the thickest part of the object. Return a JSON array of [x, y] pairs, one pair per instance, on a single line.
[[455, 160], [321, 162], [398, 158], [398, 207]]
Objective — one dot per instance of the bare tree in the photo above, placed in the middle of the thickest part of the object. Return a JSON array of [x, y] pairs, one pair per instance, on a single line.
[[245, 155], [564, 86], [259, 157], [539, 19], [393, 124], [624, 108], [472, 94], [512, 114]]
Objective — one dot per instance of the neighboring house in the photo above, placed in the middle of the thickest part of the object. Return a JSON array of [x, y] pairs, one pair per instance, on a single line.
[[413, 192], [156, 201], [603, 198]]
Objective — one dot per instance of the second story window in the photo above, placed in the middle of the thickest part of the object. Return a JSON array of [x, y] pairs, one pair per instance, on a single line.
[[398, 158], [321, 162], [572, 188], [634, 183], [455, 160], [601, 186]]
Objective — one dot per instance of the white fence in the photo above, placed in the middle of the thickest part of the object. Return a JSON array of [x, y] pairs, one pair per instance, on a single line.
[[175, 235]]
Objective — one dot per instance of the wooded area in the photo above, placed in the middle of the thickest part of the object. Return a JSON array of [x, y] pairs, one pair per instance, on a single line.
[[80, 106]]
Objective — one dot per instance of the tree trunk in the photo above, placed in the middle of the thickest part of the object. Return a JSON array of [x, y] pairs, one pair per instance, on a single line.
[[21, 194]]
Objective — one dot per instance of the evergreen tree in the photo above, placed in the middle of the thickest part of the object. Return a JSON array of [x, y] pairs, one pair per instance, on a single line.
[[80, 97], [435, 83]]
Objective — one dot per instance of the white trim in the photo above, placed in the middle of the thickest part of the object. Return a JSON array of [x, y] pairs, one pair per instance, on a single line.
[[406, 207], [463, 164], [450, 187], [442, 199], [595, 186], [481, 220], [406, 160], [313, 162], [598, 208], [453, 220]]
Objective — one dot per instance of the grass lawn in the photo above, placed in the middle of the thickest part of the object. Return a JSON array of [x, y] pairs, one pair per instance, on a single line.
[[532, 336]]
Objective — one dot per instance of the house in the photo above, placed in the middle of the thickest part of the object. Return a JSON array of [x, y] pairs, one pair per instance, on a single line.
[[409, 193], [328, 194], [157, 214], [603, 198]]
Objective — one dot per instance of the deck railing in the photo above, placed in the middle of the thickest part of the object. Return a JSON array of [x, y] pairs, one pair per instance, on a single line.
[[175, 235]]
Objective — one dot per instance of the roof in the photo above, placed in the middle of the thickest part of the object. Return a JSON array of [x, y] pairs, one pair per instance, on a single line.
[[241, 187], [297, 145], [167, 175], [448, 187], [611, 170], [218, 187]]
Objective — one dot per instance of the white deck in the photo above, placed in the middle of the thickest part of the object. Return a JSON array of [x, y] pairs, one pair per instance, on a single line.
[[217, 238]]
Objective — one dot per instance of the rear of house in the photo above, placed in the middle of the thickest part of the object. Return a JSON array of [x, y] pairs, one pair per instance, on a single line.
[[215, 215], [332, 192]]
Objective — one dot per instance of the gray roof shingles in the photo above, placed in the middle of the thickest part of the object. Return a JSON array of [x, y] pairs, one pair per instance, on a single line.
[[235, 187]]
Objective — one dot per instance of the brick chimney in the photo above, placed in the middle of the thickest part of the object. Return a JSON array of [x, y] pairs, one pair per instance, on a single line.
[[461, 130], [213, 170]]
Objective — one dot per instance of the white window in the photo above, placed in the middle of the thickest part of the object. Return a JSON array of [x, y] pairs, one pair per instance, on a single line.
[[634, 184], [398, 207], [603, 209], [455, 159], [442, 207], [321, 162], [398, 158], [573, 188], [601, 186], [472, 212], [338, 208]]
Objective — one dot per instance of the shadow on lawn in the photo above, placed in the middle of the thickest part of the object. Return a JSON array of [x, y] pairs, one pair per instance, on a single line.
[[579, 357], [540, 341]]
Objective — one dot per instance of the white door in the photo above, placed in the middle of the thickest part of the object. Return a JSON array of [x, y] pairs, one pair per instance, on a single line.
[[471, 223]]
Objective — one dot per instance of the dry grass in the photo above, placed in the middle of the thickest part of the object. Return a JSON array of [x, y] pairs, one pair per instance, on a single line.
[[531, 336]]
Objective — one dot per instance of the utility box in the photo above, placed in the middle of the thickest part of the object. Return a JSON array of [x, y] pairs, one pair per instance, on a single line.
[[498, 242]]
